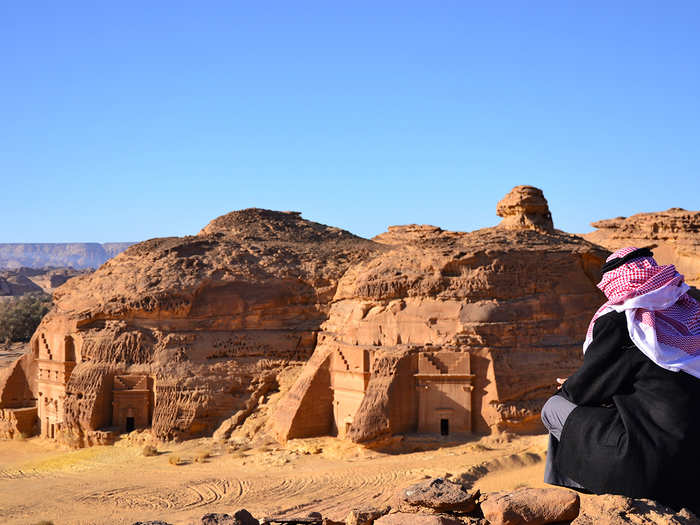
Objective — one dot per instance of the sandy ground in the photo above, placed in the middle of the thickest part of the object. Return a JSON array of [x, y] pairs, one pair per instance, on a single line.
[[118, 485]]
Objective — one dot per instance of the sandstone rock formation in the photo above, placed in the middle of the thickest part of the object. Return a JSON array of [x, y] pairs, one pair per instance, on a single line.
[[178, 334], [75, 255], [525, 208], [419, 330], [674, 235], [449, 332]]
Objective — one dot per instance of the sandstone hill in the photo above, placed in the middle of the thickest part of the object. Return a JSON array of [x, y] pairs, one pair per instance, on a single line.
[[75, 255], [450, 332], [674, 235], [178, 334]]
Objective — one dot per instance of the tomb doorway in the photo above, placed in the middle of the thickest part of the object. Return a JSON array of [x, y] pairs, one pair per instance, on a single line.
[[444, 427], [130, 424]]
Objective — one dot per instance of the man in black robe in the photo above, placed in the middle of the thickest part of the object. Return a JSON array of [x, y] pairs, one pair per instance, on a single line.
[[628, 420]]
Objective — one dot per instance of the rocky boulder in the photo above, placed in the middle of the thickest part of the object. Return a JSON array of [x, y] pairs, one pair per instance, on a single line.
[[611, 509], [240, 517], [528, 506], [404, 518], [440, 495], [365, 515]]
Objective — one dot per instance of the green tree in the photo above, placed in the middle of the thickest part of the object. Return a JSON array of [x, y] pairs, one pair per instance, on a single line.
[[19, 316]]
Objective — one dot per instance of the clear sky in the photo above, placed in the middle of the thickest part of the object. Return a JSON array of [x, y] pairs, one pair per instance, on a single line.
[[122, 121]]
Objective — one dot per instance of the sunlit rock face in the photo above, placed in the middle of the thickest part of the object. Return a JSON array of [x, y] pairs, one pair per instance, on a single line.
[[525, 208], [418, 330], [674, 236], [449, 331], [179, 334]]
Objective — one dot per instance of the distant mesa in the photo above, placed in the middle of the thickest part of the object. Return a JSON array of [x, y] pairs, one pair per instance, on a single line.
[[24, 280], [80, 255]]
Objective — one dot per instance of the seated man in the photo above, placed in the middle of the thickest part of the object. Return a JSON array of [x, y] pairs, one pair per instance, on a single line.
[[628, 421]]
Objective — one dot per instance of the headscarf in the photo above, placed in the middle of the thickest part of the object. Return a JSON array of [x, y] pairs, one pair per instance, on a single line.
[[662, 319]]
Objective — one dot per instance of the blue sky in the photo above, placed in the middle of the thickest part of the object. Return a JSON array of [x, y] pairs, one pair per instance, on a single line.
[[122, 121]]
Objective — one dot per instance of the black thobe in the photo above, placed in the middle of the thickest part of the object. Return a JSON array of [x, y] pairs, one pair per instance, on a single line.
[[636, 431]]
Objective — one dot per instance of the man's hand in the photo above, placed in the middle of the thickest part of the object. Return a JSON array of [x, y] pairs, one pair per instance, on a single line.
[[560, 381]]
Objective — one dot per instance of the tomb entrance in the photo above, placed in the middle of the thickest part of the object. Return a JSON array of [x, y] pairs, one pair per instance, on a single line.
[[350, 372], [132, 402], [444, 383]]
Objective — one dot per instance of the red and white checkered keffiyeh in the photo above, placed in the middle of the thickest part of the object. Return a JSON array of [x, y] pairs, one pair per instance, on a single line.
[[662, 319]]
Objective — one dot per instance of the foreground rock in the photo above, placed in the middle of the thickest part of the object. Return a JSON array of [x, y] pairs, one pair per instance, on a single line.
[[403, 518], [674, 235], [619, 510], [526, 506], [241, 517], [365, 515], [441, 495], [529, 506]]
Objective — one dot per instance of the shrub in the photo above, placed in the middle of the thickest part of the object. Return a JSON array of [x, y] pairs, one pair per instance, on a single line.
[[150, 450], [19, 316], [44, 522], [175, 460]]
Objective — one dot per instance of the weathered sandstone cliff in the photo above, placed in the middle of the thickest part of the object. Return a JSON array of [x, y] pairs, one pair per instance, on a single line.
[[450, 332], [181, 333], [674, 235]]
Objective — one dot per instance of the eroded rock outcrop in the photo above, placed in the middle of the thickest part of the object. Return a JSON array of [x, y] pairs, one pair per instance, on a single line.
[[180, 334], [525, 208], [674, 235], [450, 332]]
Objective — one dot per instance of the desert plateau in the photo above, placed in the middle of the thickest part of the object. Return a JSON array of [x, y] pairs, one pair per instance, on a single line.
[[303, 373]]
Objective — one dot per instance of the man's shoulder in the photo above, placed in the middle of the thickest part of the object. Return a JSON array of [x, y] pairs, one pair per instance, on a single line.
[[610, 321]]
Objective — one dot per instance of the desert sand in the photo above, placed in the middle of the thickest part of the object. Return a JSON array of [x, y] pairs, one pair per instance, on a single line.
[[40, 480]]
